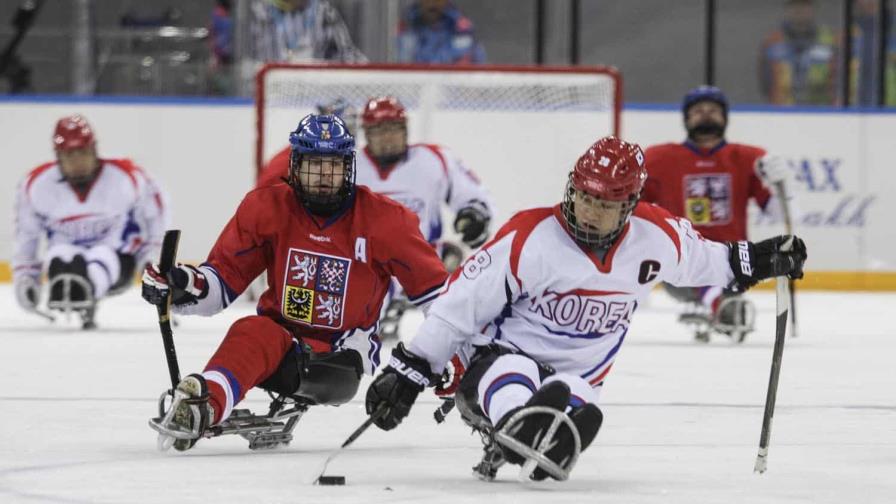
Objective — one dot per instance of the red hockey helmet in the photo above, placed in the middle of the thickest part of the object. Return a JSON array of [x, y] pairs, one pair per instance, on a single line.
[[73, 132], [611, 170], [382, 109]]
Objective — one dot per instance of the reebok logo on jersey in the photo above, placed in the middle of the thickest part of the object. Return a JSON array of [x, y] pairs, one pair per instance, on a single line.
[[317, 238], [649, 270], [408, 372], [743, 253]]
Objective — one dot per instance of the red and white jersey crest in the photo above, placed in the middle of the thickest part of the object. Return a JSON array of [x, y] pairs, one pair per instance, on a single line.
[[535, 290], [314, 287]]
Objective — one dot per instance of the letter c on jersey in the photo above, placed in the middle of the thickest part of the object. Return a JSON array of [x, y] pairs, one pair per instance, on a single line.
[[649, 270]]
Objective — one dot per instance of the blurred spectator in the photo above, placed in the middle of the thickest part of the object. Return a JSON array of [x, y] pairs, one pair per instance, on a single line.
[[797, 61], [221, 36], [434, 31], [300, 31], [862, 65]]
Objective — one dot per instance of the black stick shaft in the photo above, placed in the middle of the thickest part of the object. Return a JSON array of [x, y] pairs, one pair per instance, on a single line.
[[166, 262], [351, 439], [782, 299], [367, 423], [772, 393]]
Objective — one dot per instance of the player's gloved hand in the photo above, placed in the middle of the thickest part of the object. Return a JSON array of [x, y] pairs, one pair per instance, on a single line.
[[451, 377], [188, 283], [397, 387], [27, 292], [472, 224], [752, 262], [452, 256], [771, 169]]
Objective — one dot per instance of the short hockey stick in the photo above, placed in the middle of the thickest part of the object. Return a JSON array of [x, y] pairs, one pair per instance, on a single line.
[[166, 262], [782, 299]]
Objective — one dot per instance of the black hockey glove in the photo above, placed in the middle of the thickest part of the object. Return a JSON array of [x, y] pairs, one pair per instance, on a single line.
[[189, 285], [472, 224], [398, 386], [752, 262]]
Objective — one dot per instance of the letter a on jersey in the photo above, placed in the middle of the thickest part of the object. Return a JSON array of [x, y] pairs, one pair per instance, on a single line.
[[361, 249]]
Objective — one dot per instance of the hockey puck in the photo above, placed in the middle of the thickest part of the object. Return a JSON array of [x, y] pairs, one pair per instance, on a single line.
[[331, 480]]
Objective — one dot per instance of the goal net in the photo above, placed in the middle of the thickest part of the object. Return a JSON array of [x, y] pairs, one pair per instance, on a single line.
[[518, 128]]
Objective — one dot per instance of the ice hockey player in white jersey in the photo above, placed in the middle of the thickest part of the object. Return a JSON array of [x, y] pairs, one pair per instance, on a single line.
[[101, 218], [544, 307], [422, 177]]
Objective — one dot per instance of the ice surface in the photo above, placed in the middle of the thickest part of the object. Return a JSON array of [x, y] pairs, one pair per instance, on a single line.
[[682, 419]]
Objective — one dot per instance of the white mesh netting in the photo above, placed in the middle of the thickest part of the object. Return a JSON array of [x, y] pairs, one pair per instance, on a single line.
[[531, 122]]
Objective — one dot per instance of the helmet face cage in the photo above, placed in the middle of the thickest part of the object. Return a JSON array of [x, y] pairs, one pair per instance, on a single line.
[[587, 236], [317, 198]]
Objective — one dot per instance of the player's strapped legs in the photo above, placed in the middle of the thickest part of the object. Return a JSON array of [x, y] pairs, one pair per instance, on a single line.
[[103, 267], [330, 378], [251, 351], [506, 385]]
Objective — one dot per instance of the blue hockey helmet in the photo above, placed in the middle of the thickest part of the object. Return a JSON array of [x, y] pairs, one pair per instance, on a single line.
[[342, 108], [316, 137], [704, 93]]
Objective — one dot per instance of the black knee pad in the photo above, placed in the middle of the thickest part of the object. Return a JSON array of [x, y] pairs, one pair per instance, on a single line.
[[332, 378], [128, 266], [324, 378], [467, 396]]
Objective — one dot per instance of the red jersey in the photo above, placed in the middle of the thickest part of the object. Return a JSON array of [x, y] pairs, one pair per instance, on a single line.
[[326, 277], [709, 187], [276, 169]]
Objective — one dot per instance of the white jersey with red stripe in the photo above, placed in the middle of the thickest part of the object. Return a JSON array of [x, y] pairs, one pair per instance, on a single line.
[[428, 176], [123, 209], [533, 289]]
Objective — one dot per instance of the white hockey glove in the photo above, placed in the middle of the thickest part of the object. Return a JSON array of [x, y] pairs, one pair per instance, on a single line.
[[27, 292], [771, 169], [189, 285]]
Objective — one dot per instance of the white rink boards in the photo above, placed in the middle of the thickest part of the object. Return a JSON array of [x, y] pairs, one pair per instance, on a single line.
[[682, 419]]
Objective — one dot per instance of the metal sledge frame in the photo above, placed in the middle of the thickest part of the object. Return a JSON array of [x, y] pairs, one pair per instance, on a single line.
[[85, 309], [262, 431], [493, 441]]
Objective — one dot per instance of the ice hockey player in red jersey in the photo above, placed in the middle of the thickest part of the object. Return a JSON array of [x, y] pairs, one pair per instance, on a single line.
[[329, 248], [544, 307], [102, 218], [710, 181], [422, 177]]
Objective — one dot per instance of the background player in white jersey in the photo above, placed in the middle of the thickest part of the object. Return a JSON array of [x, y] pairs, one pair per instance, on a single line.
[[545, 306], [422, 177], [101, 218]]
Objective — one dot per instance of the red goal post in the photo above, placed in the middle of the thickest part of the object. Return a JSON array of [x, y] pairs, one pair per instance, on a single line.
[[530, 121]]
